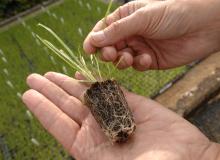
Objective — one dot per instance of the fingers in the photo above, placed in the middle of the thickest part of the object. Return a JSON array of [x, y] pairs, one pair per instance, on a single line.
[[125, 59], [142, 62], [63, 128], [68, 104], [70, 85], [120, 13], [117, 31], [87, 46], [124, 11], [109, 54], [79, 76]]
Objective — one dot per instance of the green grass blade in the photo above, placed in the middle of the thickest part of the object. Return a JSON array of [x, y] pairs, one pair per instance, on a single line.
[[108, 68], [109, 8], [83, 63], [98, 68], [91, 59], [117, 65], [56, 51], [67, 59], [78, 64], [59, 40]]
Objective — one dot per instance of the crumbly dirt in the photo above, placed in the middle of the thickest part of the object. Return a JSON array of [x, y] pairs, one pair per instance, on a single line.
[[110, 109]]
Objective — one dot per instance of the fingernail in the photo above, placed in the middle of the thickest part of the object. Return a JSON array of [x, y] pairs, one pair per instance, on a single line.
[[32, 77], [98, 36], [88, 48]]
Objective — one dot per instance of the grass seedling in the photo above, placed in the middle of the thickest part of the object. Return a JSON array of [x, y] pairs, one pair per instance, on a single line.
[[104, 98]]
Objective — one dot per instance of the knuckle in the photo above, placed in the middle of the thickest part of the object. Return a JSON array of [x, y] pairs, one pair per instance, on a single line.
[[62, 99], [49, 74], [64, 83], [53, 121], [140, 13], [131, 7], [116, 27], [93, 41], [109, 20], [45, 87], [36, 109], [120, 11], [97, 42], [66, 101]]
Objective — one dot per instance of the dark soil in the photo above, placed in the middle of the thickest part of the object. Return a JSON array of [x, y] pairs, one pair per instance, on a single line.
[[110, 109]]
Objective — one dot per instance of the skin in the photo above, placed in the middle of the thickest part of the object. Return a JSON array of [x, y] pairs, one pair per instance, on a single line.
[[147, 34], [55, 99], [152, 34]]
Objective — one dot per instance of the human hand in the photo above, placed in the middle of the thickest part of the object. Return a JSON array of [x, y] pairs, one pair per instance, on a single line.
[[153, 34], [160, 134]]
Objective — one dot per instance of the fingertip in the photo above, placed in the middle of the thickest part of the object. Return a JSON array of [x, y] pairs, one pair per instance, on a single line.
[[25, 95], [97, 38], [78, 76], [31, 78], [109, 54], [142, 62], [88, 47], [49, 74], [126, 60], [28, 97]]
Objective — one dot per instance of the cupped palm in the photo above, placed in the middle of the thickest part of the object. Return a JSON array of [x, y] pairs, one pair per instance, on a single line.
[[160, 133]]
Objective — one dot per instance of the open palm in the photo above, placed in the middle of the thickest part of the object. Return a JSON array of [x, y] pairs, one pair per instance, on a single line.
[[161, 134]]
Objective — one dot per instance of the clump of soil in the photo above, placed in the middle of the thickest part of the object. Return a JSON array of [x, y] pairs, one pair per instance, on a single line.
[[110, 109]]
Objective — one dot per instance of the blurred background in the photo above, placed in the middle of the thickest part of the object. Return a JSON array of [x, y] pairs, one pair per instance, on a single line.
[[21, 136]]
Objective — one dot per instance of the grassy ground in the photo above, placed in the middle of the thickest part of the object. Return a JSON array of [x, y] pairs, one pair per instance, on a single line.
[[21, 54]]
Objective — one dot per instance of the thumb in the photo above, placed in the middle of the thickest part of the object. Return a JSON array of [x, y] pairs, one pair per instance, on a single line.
[[119, 30]]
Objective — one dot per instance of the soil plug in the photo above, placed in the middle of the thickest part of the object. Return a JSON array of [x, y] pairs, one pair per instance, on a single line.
[[109, 107]]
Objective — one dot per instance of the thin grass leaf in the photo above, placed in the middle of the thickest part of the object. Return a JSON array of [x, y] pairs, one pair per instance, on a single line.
[[83, 62], [52, 48], [59, 40], [119, 62], [98, 69], [117, 65], [67, 59], [109, 8], [78, 63], [91, 59], [57, 51], [108, 68]]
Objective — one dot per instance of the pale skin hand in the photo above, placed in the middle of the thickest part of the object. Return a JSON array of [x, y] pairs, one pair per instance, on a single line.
[[153, 34], [160, 135]]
